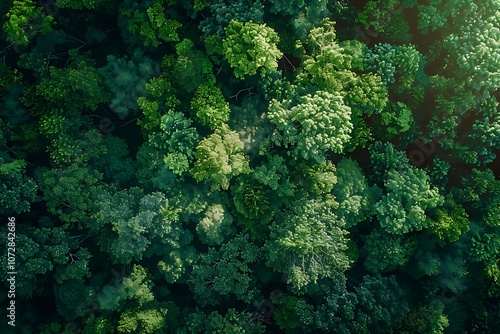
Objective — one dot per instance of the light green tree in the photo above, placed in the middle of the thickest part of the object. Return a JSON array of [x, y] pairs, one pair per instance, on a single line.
[[408, 196], [250, 46], [355, 197], [219, 157], [214, 227], [313, 125], [209, 107]]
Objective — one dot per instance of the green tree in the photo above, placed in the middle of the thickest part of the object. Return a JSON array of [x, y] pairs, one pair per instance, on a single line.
[[63, 188], [84, 4], [71, 296], [376, 305], [383, 251], [144, 320], [224, 271], [128, 222], [449, 221], [232, 322], [147, 22], [209, 107], [385, 18], [325, 65], [257, 196], [214, 227], [159, 97], [381, 58], [97, 325], [39, 252], [471, 52], [17, 191], [385, 157], [134, 289], [24, 21], [191, 68], [116, 164], [396, 118], [176, 265], [224, 11], [176, 140], [76, 86], [69, 137], [250, 46], [313, 124], [307, 243], [126, 80], [219, 157], [355, 197], [408, 195], [284, 7]]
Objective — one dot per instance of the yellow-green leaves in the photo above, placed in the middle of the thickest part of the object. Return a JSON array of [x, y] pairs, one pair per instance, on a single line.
[[219, 157], [250, 46]]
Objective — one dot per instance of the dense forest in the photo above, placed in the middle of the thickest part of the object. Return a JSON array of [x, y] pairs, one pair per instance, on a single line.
[[250, 166]]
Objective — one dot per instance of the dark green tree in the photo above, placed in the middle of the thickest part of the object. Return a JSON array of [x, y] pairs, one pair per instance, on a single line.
[[307, 243], [225, 271]]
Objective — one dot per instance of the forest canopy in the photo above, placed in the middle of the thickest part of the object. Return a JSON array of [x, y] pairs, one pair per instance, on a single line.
[[249, 166]]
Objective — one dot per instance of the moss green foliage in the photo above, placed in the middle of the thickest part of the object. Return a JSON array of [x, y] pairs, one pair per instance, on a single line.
[[250, 46], [209, 106], [219, 157], [250, 166], [24, 21], [312, 124], [147, 22]]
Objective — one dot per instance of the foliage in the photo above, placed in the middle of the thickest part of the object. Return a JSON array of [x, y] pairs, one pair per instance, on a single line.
[[449, 221], [397, 118], [159, 97], [128, 220], [250, 46], [253, 166], [177, 140], [219, 157], [63, 188], [24, 21], [409, 195], [307, 244], [126, 80], [78, 85], [225, 271], [215, 225], [17, 190], [209, 107], [224, 11], [42, 251], [313, 124], [231, 323], [385, 252], [149, 24]]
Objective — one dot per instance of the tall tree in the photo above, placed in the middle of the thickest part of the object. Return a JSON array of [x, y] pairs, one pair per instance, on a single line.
[[403, 208], [219, 157], [225, 271], [250, 46], [126, 80], [24, 21], [307, 243], [314, 124]]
